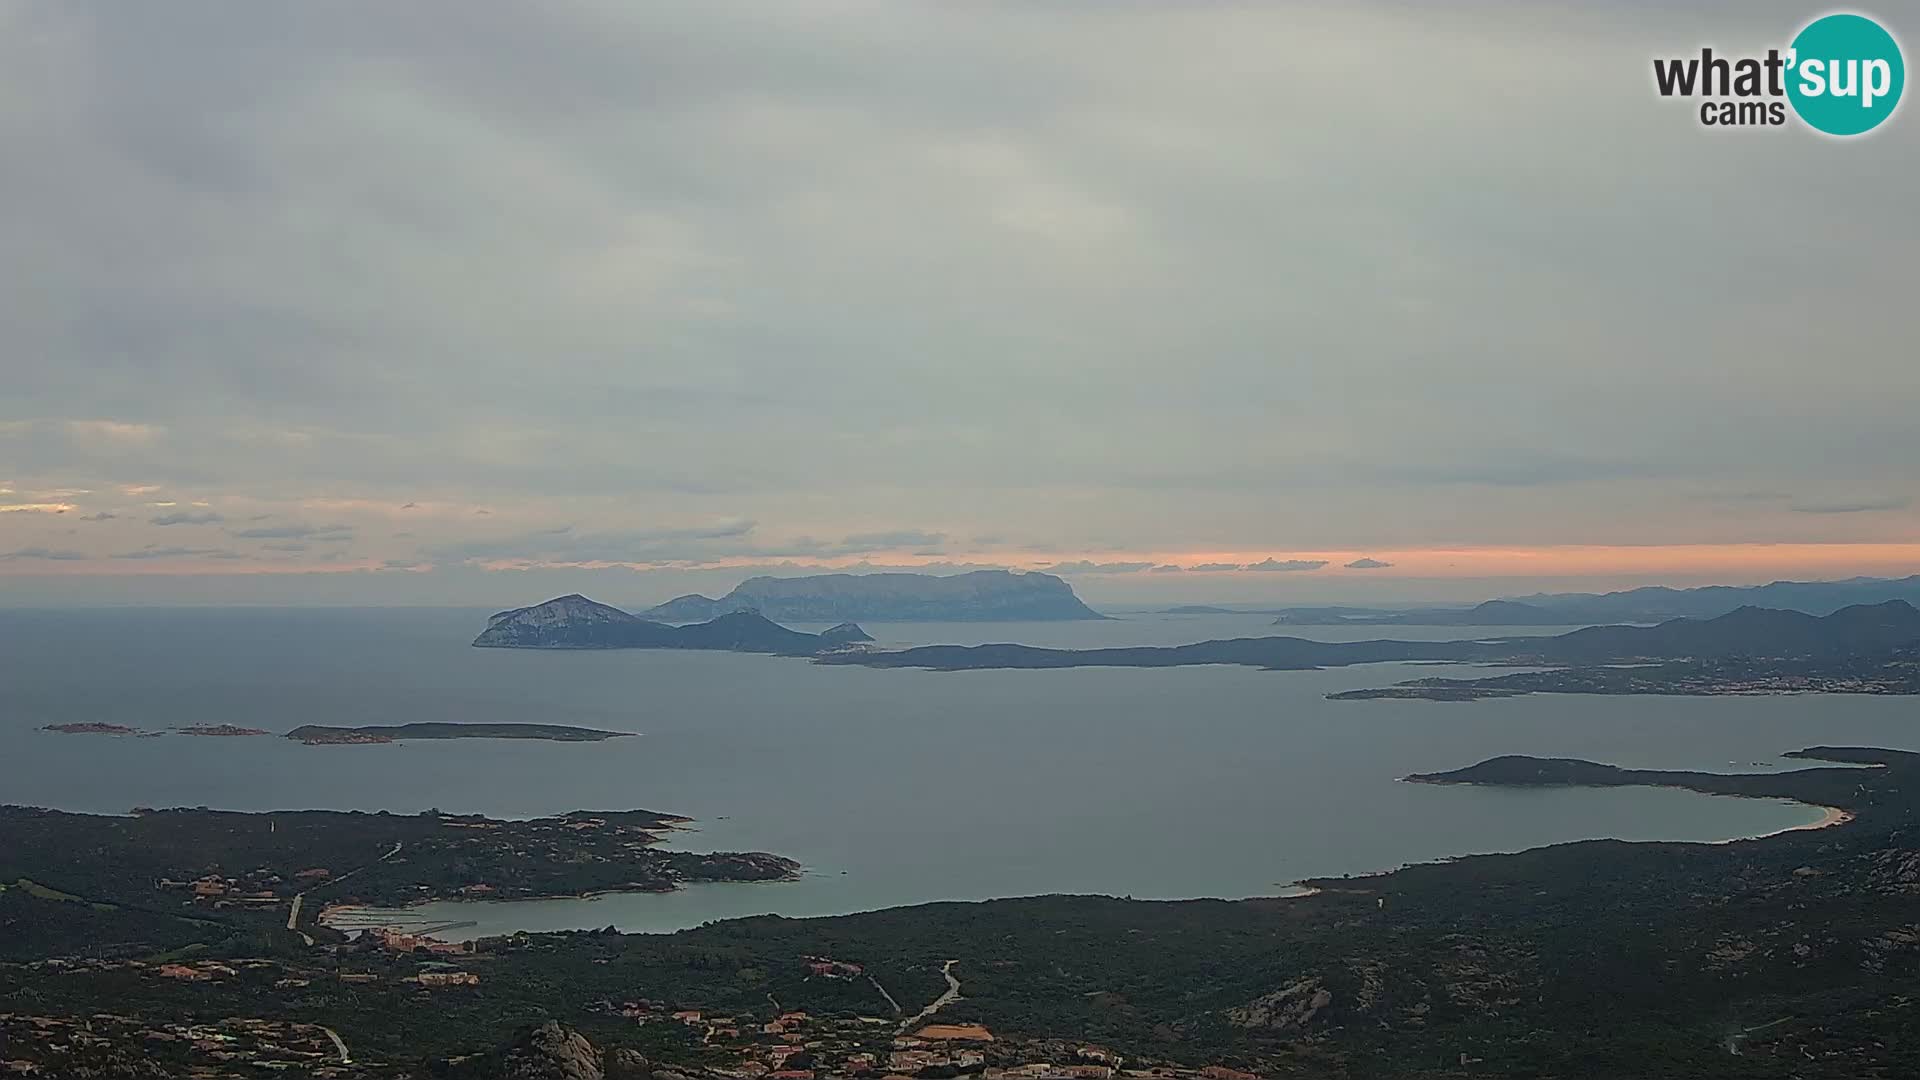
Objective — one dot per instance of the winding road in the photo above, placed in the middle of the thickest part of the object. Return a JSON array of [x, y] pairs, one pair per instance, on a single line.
[[339, 1044], [952, 995]]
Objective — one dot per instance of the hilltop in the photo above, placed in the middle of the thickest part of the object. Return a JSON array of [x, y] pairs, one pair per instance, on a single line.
[[977, 596]]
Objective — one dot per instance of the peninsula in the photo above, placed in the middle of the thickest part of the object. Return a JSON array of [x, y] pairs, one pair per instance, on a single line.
[[1896, 671], [1878, 635], [976, 596], [219, 866], [1650, 604]]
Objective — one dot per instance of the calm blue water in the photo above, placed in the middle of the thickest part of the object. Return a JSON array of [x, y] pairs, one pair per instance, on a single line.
[[893, 787]]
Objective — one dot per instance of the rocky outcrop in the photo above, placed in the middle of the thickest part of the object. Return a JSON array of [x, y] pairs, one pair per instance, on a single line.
[[1288, 1011], [554, 1051], [1896, 870], [845, 634], [623, 1063]]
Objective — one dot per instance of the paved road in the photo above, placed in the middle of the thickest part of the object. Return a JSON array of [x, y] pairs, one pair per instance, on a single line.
[[952, 995], [1734, 1040], [339, 1044]]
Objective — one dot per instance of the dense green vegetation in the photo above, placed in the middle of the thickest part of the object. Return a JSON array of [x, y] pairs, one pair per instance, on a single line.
[[153, 860], [1801, 952]]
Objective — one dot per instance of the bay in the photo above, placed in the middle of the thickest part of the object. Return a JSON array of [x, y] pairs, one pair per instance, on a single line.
[[892, 787]]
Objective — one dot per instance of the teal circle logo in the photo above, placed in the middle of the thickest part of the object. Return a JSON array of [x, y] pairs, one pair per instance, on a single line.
[[1845, 74]]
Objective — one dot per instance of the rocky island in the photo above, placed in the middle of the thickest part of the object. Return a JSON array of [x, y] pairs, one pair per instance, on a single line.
[[976, 596], [221, 730], [575, 622], [322, 734]]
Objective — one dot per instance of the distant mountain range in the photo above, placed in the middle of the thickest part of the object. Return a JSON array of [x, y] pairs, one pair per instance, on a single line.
[[1867, 629], [575, 622], [1645, 605], [979, 596]]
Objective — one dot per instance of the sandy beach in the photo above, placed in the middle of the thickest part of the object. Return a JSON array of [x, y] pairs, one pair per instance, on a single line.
[[1831, 815]]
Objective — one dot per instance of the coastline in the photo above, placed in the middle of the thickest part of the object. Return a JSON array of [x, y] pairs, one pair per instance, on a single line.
[[376, 911], [1830, 817]]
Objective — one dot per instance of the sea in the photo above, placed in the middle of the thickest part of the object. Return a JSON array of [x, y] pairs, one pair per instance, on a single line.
[[892, 787]]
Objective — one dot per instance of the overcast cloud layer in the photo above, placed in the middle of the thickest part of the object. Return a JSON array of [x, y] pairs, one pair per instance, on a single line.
[[1369, 293]]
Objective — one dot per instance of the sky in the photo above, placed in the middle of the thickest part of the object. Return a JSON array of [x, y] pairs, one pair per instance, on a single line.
[[455, 303]]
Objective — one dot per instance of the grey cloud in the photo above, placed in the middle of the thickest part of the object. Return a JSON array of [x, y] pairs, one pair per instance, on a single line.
[[1855, 506], [104, 515], [295, 532], [1488, 356], [1366, 563], [900, 538], [187, 517], [567, 544], [1084, 566], [286, 545], [1167, 568], [1287, 565], [1211, 567], [44, 554], [924, 543], [154, 552]]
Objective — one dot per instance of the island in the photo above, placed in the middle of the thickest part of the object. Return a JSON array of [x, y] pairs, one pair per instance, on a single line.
[[975, 596], [575, 622], [322, 734], [1828, 788], [91, 728], [220, 730]]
